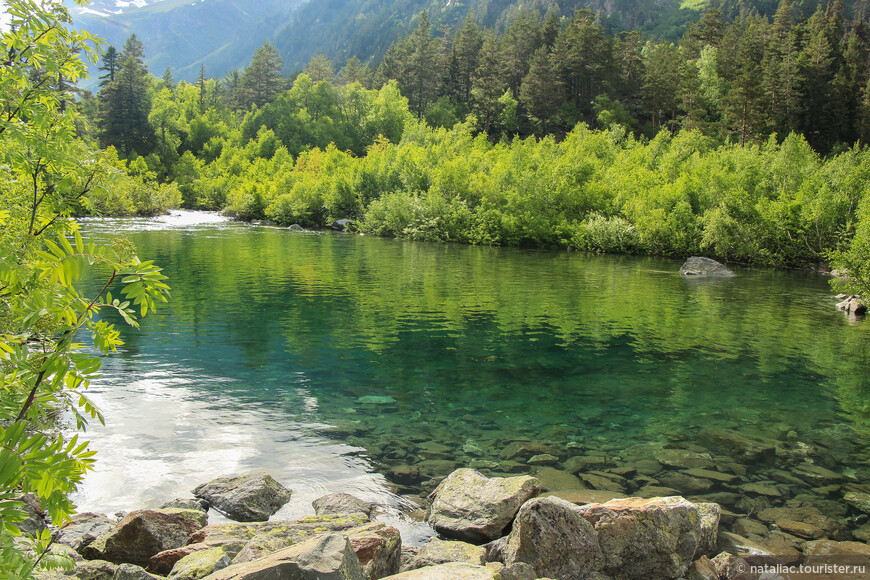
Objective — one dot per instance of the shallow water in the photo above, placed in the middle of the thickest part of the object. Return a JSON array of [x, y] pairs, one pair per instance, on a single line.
[[272, 337]]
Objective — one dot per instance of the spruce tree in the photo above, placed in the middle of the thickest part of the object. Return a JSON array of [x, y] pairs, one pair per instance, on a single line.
[[124, 104], [108, 66], [541, 91], [420, 78], [261, 81]]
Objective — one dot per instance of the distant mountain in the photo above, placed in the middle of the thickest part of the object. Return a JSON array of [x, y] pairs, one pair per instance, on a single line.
[[183, 34]]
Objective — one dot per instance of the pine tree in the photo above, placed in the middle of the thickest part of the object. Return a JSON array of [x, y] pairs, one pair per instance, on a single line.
[[487, 86], [124, 104], [261, 81], [541, 91], [745, 104], [201, 88], [583, 56], [320, 69], [420, 78], [781, 71], [663, 72], [109, 66], [466, 52], [167, 79], [519, 43], [355, 72]]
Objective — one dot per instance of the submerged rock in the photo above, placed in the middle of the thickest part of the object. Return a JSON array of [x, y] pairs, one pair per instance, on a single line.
[[551, 535], [376, 400], [696, 267], [248, 498], [144, 533], [469, 506]]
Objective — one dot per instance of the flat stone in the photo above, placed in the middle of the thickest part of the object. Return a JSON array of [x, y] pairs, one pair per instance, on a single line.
[[651, 491], [582, 463], [746, 526], [551, 479], [817, 474], [739, 546], [543, 459], [832, 548], [741, 446], [780, 545], [599, 482], [687, 484], [684, 459], [647, 467], [712, 475], [525, 450], [457, 571], [800, 529], [376, 400], [760, 489]]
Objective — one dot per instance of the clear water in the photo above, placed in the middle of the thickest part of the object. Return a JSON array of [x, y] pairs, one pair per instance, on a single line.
[[272, 337]]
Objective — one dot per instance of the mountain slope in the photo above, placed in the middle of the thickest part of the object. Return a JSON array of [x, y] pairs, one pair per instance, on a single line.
[[182, 35]]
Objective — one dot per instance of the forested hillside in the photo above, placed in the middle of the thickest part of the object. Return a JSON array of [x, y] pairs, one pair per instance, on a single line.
[[222, 34]]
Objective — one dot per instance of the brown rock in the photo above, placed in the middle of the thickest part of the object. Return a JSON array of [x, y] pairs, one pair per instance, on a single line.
[[378, 548], [601, 483], [760, 489], [832, 548], [702, 569], [717, 476], [551, 479], [162, 562], [746, 527], [584, 463], [800, 529], [684, 459], [685, 483], [740, 446]]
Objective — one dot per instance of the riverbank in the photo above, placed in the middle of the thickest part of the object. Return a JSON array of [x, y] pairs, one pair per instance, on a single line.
[[490, 528]]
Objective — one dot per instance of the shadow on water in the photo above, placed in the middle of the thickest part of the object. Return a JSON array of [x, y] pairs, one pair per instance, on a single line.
[[275, 343]]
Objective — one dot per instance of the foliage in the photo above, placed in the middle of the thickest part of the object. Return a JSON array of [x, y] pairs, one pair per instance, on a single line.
[[48, 175]]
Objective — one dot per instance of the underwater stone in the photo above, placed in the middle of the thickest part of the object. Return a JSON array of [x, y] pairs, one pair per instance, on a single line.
[[376, 400], [858, 500]]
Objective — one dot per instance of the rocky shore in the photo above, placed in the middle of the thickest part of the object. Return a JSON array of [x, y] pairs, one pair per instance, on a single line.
[[489, 528]]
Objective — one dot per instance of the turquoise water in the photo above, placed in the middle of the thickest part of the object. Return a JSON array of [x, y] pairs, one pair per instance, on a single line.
[[340, 361]]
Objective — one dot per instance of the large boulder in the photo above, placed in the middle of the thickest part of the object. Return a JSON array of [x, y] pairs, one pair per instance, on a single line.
[[697, 267], [82, 529], [326, 557], [709, 514], [378, 547], [247, 498], [552, 536], [144, 533], [645, 538], [437, 551], [200, 564], [341, 503], [469, 506]]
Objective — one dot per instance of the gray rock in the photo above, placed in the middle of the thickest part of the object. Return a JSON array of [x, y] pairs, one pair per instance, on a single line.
[[696, 267], [551, 535], [248, 498], [296, 228], [95, 570], [437, 551], [341, 503], [709, 514], [144, 533], [132, 572], [82, 529], [200, 564], [702, 569], [342, 225], [191, 503], [645, 538], [35, 521], [326, 557], [852, 305], [469, 506]]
